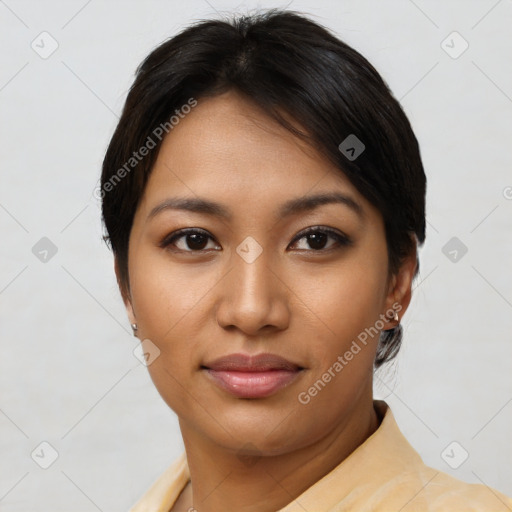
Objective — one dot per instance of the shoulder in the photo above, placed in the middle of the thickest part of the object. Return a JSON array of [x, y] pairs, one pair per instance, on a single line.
[[438, 491], [402, 481], [164, 492]]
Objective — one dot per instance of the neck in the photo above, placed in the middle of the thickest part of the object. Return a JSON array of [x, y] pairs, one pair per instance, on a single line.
[[224, 479]]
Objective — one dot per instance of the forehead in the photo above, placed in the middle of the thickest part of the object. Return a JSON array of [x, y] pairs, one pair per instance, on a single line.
[[228, 149], [228, 131]]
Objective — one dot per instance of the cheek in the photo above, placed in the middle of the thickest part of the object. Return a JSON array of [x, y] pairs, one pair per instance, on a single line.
[[170, 303], [349, 297], [166, 294]]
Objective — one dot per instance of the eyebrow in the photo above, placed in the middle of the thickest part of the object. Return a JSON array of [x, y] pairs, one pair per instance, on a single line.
[[289, 208]]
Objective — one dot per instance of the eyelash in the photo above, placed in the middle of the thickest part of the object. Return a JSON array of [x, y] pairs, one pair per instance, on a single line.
[[341, 239]]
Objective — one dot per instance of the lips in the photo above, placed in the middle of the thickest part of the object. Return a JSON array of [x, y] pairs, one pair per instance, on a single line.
[[247, 363], [247, 376]]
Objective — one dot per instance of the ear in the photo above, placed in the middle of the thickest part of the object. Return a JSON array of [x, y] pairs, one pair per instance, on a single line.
[[125, 292], [400, 288]]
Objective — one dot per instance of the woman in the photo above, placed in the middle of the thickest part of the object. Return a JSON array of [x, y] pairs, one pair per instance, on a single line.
[[264, 198]]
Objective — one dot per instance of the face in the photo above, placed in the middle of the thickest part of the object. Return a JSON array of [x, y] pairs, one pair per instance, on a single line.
[[254, 275]]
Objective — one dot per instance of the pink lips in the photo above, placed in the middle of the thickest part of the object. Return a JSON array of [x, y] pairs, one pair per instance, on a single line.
[[248, 376]]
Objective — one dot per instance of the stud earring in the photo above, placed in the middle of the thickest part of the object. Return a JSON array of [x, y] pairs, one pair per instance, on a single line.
[[395, 319], [135, 329]]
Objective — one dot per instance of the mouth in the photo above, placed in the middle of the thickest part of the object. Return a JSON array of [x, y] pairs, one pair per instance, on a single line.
[[246, 376]]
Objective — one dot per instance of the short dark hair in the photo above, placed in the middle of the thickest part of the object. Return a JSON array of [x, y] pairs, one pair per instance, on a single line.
[[291, 67]]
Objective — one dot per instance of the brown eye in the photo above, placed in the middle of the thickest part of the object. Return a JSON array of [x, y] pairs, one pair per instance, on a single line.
[[317, 239], [195, 241], [190, 240]]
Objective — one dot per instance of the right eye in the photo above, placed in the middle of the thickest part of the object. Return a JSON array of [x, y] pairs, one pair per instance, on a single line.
[[188, 240]]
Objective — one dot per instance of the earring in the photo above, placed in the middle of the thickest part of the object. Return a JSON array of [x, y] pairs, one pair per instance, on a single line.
[[134, 328], [395, 319]]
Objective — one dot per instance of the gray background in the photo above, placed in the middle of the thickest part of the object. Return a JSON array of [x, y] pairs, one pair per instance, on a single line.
[[68, 375]]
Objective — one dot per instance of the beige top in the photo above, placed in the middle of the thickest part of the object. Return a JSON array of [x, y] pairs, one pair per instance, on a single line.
[[384, 473]]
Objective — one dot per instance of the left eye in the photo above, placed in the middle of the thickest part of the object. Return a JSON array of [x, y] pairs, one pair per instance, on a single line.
[[317, 238]]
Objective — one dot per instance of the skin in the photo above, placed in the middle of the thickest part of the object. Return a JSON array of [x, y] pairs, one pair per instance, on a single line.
[[294, 300]]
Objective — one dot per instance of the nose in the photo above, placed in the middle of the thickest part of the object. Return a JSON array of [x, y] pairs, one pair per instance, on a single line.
[[253, 298]]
